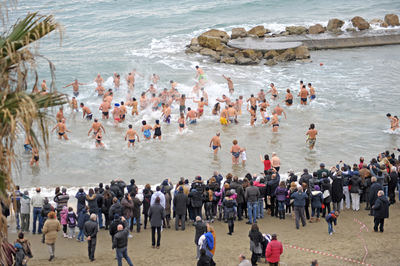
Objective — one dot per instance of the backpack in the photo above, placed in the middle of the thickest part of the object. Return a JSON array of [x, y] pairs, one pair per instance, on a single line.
[[71, 220]]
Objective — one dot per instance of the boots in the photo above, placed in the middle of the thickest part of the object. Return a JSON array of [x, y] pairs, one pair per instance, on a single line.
[[233, 226], [318, 219], [168, 224], [230, 229], [283, 215], [312, 220]]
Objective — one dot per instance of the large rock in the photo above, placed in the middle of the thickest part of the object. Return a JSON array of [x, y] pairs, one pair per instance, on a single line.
[[249, 53], [258, 31], [209, 41], [334, 24], [217, 34], [226, 51], [270, 62], [302, 52], [208, 52], [380, 22], [316, 29], [228, 60], [288, 55], [296, 30], [270, 54], [246, 61], [194, 41], [392, 20], [238, 33], [360, 23], [196, 48]]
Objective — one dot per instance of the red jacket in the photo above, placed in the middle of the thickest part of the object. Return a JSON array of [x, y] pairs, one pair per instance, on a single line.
[[274, 251]]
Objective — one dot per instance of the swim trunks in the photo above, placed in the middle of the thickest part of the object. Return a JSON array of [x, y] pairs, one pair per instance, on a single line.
[[275, 125], [27, 147], [98, 141], [117, 119], [182, 108], [193, 121], [312, 97], [311, 142], [275, 95], [157, 131], [289, 101], [236, 154], [36, 158], [214, 147], [105, 113], [304, 100], [200, 111], [168, 119], [231, 119], [202, 76], [61, 133], [89, 116], [254, 107], [132, 140], [122, 117], [223, 121], [76, 93], [147, 133], [181, 125]]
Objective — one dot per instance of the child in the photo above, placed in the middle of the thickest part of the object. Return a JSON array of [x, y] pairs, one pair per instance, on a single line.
[[331, 217], [64, 217], [83, 217], [71, 220], [74, 105], [157, 130], [181, 122], [243, 155]]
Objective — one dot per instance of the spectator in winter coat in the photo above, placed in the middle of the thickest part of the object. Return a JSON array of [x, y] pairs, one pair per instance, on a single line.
[[355, 190], [25, 211], [147, 193], [115, 208], [381, 210], [281, 194], [91, 199], [132, 187], [120, 243], [63, 220], [274, 251], [81, 200], [50, 229], [156, 214], [373, 192], [62, 200], [201, 228], [180, 203], [337, 190], [316, 203], [83, 217], [136, 212], [90, 230]]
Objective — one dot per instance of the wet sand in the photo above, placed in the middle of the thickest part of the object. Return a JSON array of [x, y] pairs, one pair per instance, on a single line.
[[178, 248]]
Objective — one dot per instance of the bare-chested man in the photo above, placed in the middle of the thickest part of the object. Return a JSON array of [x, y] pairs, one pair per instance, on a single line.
[[191, 115], [181, 122], [261, 96], [130, 80], [312, 136], [74, 104], [152, 90], [117, 81], [28, 143], [105, 109], [279, 110], [116, 112], [75, 87], [274, 122], [131, 135], [216, 143], [200, 75], [155, 102], [60, 114], [44, 85], [224, 116], [303, 95], [155, 78], [275, 162], [96, 127], [288, 98], [312, 92], [273, 91], [166, 113], [301, 84], [232, 114], [173, 85], [253, 115], [204, 94], [235, 151], [134, 105], [200, 106], [62, 130], [35, 157], [264, 104], [86, 112], [224, 99], [196, 89], [143, 101], [108, 97], [122, 111], [182, 103], [230, 84], [164, 95], [394, 121], [100, 90], [99, 80], [253, 102], [99, 138]]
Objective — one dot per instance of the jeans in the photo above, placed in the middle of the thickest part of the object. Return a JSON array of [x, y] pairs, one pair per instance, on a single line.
[[260, 212], [37, 216], [330, 228], [347, 195], [91, 248], [71, 232], [25, 217], [252, 211], [123, 253], [315, 211], [17, 218], [100, 218], [281, 205], [80, 235], [385, 190], [153, 235], [299, 213]]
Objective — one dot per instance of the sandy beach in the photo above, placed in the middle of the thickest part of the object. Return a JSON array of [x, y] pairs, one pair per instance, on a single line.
[[177, 248]]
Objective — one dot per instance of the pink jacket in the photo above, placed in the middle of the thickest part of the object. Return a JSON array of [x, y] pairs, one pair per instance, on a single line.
[[258, 184], [64, 215]]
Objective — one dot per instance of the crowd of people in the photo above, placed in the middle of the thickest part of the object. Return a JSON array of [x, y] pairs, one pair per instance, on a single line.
[[120, 208]]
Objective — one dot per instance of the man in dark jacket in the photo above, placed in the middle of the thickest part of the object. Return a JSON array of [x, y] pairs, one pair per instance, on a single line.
[[115, 208], [120, 243], [196, 199], [180, 205], [299, 203], [240, 196], [116, 190], [381, 210], [90, 231], [201, 228], [305, 178], [99, 199], [114, 225], [271, 187], [83, 217], [337, 190], [393, 179], [132, 187], [373, 192], [252, 193], [136, 212], [81, 200]]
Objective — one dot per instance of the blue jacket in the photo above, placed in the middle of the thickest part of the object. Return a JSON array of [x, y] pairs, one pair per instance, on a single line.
[[299, 199], [81, 197], [331, 217], [83, 217], [316, 199]]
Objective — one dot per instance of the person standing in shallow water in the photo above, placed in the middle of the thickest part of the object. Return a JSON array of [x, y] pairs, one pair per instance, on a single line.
[[312, 136], [235, 150], [216, 143]]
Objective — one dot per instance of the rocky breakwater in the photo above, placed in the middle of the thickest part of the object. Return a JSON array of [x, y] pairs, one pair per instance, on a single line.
[[258, 45]]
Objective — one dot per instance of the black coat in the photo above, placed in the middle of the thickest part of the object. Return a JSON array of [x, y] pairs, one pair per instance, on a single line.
[[90, 228], [271, 187], [337, 188], [373, 192], [113, 226], [196, 198], [201, 228], [204, 260], [381, 208], [239, 191], [327, 186], [356, 184], [115, 208], [180, 203]]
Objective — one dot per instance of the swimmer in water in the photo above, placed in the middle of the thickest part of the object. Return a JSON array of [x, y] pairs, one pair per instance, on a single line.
[[191, 115], [100, 90], [200, 106], [74, 104], [99, 137], [86, 112], [60, 114], [105, 109], [216, 143], [116, 113], [96, 127], [394, 121], [252, 115], [155, 78], [230, 84], [130, 80], [274, 122], [232, 114], [35, 157], [28, 143], [44, 85], [75, 87], [261, 96], [216, 110], [303, 95], [62, 130], [273, 91], [223, 119], [166, 113], [235, 151], [288, 98], [134, 105], [157, 130], [99, 80], [131, 135], [146, 130], [200, 75], [122, 112], [279, 110], [253, 102], [181, 122], [205, 95], [117, 81], [312, 92], [312, 136], [264, 116]]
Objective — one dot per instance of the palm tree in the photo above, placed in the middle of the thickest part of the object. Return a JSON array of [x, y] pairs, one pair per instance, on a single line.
[[20, 110]]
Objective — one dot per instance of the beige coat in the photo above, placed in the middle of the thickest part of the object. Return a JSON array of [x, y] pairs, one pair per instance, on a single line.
[[50, 229]]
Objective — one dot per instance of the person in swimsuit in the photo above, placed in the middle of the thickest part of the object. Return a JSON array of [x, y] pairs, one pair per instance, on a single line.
[[100, 90], [235, 151], [275, 162], [200, 108], [105, 108], [157, 130], [252, 115], [232, 114], [182, 102], [131, 136], [216, 143], [181, 122], [394, 121], [205, 95], [274, 122], [60, 114], [230, 84], [224, 99], [303, 95], [96, 127], [155, 78], [166, 113], [216, 109], [273, 91], [146, 130], [99, 80], [62, 130], [74, 104], [99, 137], [35, 157], [116, 114], [312, 136], [28, 143], [134, 105], [75, 87], [264, 116], [288, 98], [253, 102], [279, 110], [312, 92], [122, 112], [191, 115], [86, 112], [200, 75], [224, 116], [261, 96]]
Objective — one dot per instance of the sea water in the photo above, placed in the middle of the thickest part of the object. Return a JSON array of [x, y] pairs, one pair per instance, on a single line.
[[355, 89]]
